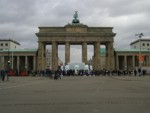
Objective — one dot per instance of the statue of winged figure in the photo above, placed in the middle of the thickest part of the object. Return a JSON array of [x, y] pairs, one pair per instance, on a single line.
[[75, 15], [75, 20]]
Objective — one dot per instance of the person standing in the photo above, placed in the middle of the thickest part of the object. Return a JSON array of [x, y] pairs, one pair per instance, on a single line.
[[135, 72], [139, 71], [3, 73], [0, 75]]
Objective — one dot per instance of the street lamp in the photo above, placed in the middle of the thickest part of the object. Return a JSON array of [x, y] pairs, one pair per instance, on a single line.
[[8, 62], [140, 36]]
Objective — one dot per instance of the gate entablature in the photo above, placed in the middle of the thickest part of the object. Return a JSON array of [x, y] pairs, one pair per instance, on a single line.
[[71, 30]]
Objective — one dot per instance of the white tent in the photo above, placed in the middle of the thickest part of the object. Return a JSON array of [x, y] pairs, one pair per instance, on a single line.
[[67, 67], [86, 67], [76, 67]]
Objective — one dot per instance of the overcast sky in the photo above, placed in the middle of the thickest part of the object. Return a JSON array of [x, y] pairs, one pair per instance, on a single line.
[[19, 19]]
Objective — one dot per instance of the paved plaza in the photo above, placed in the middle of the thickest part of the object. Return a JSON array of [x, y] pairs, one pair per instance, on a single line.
[[93, 94]]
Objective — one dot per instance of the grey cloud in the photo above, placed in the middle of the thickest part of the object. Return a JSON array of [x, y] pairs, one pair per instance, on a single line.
[[128, 7], [16, 11], [20, 18]]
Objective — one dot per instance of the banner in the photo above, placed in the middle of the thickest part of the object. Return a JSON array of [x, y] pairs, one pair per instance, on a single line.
[[141, 58]]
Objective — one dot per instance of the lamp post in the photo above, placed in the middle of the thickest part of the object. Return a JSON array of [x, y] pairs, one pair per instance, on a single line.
[[12, 59], [8, 65], [8, 62], [140, 36]]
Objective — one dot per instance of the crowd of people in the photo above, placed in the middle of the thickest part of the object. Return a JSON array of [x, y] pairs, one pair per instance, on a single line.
[[59, 73], [104, 72]]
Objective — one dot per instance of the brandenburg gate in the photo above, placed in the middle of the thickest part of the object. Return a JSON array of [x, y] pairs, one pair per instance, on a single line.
[[76, 34]]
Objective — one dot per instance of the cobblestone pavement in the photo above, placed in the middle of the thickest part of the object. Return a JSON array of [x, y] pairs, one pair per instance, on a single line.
[[123, 94]]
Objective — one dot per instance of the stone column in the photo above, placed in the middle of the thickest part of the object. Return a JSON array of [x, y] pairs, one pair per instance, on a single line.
[[34, 63], [44, 57], [67, 52], [84, 52], [110, 63], [54, 56], [117, 62], [26, 62], [97, 55], [107, 56], [133, 61], [145, 60], [2, 66], [125, 62], [148, 60], [18, 63], [41, 56]]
